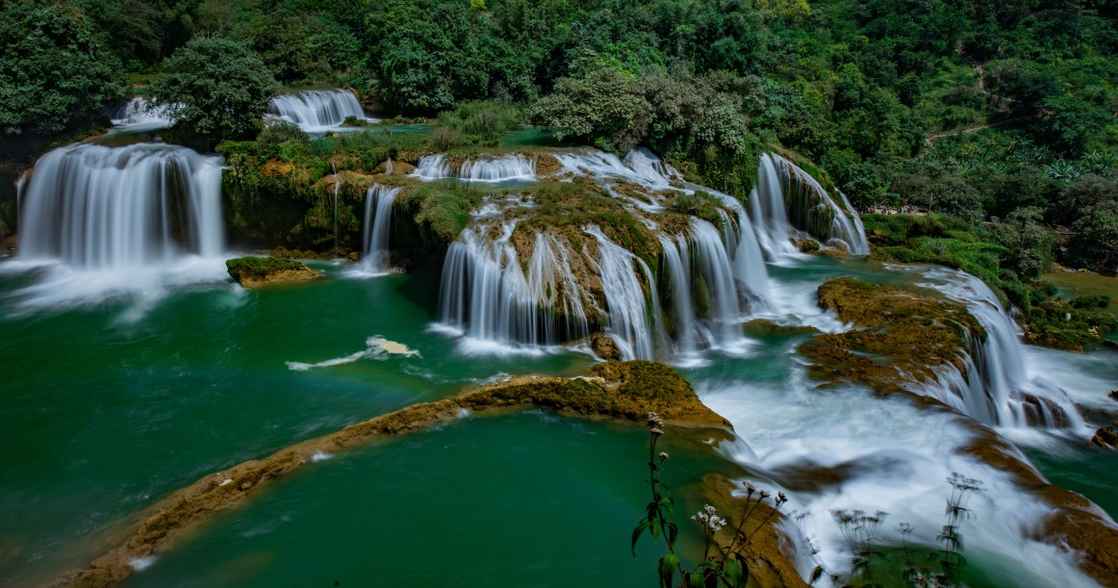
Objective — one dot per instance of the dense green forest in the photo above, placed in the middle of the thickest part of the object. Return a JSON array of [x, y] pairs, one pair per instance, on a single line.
[[999, 115]]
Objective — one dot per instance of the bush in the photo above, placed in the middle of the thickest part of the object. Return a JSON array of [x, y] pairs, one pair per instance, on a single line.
[[482, 122], [53, 70], [216, 88], [1090, 302], [1095, 243]]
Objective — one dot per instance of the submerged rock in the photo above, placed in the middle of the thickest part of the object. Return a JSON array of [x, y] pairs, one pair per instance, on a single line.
[[1114, 395], [767, 328], [255, 272]]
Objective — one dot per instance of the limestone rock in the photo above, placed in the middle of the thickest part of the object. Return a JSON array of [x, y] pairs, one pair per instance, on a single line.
[[605, 347], [254, 272]]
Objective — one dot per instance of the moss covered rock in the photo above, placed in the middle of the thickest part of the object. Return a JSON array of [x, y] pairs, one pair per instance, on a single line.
[[900, 334], [255, 272]]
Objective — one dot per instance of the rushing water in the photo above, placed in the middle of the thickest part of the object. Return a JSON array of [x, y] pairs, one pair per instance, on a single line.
[[502, 168], [115, 414], [318, 111], [377, 228], [999, 390], [95, 207], [140, 115]]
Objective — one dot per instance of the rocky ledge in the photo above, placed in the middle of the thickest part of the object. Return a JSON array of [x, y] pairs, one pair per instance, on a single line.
[[255, 272], [902, 334], [618, 391]]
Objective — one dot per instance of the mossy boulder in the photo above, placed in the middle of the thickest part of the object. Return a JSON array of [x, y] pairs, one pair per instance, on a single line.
[[900, 334], [255, 272]]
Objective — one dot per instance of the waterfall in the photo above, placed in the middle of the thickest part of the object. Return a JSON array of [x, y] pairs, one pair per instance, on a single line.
[[677, 269], [433, 167], [770, 218], [377, 227], [749, 264], [787, 198], [633, 325], [997, 388], [504, 168], [141, 115], [485, 295], [640, 167], [317, 110], [92, 206], [714, 264]]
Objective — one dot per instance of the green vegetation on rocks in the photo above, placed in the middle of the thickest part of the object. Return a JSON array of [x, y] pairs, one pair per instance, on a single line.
[[252, 272]]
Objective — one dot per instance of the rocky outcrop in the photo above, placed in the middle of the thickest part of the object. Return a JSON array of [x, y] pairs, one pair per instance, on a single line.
[[257, 272], [902, 334], [1106, 437], [618, 391]]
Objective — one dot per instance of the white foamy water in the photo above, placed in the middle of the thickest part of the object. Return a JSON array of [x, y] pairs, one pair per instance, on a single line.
[[893, 457], [376, 348], [318, 111], [140, 115], [502, 168]]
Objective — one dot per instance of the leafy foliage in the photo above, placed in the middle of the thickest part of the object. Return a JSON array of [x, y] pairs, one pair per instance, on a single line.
[[54, 70], [217, 88]]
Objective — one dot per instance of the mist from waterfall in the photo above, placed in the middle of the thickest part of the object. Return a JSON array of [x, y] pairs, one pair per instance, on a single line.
[[377, 228], [318, 111], [100, 207]]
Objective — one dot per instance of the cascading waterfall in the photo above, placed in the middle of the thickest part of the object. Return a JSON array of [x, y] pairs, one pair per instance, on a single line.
[[714, 264], [504, 168], [378, 225], [749, 263], [996, 388], [677, 269], [640, 167], [770, 219], [98, 207], [317, 110], [788, 198], [633, 325], [814, 210], [485, 294], [141, 114]]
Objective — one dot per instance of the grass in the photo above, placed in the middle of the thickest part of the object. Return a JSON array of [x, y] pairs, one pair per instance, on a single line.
[[1074, 285]]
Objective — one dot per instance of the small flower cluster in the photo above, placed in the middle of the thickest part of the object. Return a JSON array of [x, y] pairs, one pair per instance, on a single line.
[[655, 424], [709, 518]]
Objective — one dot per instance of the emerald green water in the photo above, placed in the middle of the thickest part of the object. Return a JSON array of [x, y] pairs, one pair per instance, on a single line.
[[522, 500], [110, 406], [104, 415]]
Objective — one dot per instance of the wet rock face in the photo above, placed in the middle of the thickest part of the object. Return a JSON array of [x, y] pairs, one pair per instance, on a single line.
[[1106, 437], [899, 334], [605, 347]]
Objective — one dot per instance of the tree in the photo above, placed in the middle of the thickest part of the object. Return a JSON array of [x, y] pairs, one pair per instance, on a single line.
[[1096, 238], [215, 88], [53, 71]]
